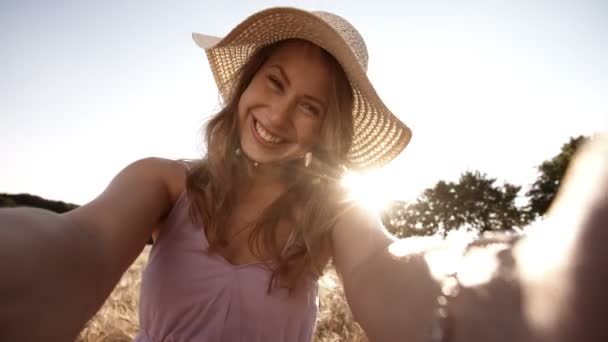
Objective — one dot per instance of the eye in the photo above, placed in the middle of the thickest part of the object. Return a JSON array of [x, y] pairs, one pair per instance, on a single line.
[[275, 83], [311, 109]]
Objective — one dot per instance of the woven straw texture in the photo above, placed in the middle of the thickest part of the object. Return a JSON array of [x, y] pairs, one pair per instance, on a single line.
[[379, 135]]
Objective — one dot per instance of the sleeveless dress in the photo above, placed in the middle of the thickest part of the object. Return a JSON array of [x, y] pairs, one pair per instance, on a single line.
[[190, 295]]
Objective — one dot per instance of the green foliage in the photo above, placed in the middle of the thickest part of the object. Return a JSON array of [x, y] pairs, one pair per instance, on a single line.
[[550, 173], [474, 202], [6, 201]]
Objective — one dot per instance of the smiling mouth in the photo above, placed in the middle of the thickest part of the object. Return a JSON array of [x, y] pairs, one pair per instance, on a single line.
[[265, 135]]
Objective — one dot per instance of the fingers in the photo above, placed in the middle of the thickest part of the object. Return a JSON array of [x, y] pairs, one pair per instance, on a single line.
[[587, 270], [584, 189], [563, 264]]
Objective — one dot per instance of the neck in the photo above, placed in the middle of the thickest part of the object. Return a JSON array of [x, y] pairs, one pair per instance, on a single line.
[[262, 188], [265, 174], [260, 178]]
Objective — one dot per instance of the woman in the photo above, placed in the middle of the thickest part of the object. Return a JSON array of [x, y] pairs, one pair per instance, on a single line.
[[260, 209], [241, 236]]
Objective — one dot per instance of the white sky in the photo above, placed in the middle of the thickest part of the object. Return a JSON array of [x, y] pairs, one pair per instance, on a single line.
[[87, 87]]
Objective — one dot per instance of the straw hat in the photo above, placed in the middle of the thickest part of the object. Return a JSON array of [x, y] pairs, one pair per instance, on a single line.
[[378, 135]]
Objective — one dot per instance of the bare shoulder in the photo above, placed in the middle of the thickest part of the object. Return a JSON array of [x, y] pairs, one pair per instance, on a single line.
[[169, 174], [135, 202], [174, 173]]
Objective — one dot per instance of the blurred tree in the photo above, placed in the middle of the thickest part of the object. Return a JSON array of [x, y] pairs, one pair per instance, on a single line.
[[6, 202], [474, 202], [550, 173], [27, 200]]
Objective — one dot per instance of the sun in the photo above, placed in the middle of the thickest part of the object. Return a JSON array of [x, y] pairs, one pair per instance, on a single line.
[[376, 189], [372, 189]]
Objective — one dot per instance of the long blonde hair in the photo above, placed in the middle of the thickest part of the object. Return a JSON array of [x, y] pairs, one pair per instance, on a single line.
[[313, 199]]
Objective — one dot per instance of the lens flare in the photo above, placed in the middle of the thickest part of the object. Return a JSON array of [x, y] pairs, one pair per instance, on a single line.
[[369, 189]]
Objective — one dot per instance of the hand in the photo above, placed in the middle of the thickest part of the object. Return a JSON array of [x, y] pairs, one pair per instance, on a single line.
[[550, 285], [565, 284]]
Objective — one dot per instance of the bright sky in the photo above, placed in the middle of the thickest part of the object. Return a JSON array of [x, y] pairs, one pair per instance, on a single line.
[[87, 87]]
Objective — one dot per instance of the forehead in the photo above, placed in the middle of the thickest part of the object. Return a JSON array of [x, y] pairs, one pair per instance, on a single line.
[[296, 47], [302, 60]]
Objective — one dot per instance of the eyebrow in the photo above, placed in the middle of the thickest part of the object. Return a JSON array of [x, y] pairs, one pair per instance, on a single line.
[[309, 97]]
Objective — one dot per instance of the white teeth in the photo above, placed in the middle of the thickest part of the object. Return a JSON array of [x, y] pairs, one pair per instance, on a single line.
[[267, 136]]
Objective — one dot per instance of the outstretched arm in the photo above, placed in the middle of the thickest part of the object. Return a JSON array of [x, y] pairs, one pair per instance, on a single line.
[[57, 270], [391, 297], [548, 286]]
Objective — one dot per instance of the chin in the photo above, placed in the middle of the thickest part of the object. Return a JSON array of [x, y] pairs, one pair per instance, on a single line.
[[263, 157]]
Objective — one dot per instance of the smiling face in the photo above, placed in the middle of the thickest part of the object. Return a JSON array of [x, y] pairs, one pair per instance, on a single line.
[[281, 112]]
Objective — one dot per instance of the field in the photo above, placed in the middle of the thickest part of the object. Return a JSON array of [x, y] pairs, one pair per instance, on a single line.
[[117, 320]]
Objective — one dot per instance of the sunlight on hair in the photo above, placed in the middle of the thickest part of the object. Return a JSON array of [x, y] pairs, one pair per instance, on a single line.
[[371, 189]]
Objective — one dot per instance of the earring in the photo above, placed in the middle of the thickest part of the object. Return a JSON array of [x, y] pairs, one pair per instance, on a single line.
[[237, 152], [307, 159]]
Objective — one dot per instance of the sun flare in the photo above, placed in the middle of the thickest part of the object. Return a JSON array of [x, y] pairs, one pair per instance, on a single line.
[[369, 189]]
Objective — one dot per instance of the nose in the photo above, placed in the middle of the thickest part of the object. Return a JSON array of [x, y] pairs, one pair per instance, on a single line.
[[280, 113]]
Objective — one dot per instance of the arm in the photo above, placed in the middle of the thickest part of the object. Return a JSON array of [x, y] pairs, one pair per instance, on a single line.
[[57, 270], [392, 298], [565, 285], [549, 286]]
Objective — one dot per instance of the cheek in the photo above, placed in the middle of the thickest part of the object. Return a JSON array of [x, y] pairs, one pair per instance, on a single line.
[[252, 96], [242, 106], [240, 112], [310, 132]]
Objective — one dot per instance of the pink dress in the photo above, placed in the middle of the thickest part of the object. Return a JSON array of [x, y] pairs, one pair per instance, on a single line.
[[189, 295]]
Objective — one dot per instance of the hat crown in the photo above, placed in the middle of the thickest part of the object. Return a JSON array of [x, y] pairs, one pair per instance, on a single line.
[[349, 33]]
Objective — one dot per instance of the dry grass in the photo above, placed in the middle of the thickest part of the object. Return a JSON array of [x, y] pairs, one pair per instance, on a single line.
[[117, 320]]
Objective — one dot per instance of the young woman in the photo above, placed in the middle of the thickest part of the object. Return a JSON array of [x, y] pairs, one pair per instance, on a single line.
[[242, 235]]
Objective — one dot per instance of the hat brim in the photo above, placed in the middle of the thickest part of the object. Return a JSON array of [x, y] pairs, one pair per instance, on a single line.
[[379, 136]]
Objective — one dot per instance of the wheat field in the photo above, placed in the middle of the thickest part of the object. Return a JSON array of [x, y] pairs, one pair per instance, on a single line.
[[117, 320]]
